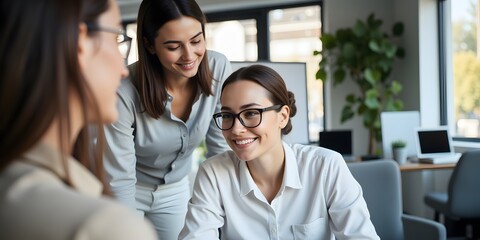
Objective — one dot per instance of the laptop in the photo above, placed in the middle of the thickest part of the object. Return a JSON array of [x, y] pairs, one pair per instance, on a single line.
[[339, 141], [434, 145]]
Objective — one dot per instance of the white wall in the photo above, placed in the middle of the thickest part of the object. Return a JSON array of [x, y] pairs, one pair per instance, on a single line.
[[418, 71]]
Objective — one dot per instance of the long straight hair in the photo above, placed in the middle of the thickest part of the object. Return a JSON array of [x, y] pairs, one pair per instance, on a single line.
[[149, 80], [40, 69]]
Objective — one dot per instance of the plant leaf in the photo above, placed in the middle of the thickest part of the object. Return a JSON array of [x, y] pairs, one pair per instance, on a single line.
[[347, 114], [396, 87], [350, 98], [321, 74], [359, 29], [372, 76], [348, 51], [397, 29], [338, 76], [371, 99], [373, 45], [328, 41]]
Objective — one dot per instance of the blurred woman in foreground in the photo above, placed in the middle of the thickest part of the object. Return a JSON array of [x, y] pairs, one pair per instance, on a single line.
[[61, 67]]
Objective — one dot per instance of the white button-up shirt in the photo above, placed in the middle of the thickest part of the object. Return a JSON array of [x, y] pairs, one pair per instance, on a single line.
[[318, 199]]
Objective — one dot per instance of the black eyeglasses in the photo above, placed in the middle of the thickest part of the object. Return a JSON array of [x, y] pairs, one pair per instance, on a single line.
[[249, 118], [124, 42]]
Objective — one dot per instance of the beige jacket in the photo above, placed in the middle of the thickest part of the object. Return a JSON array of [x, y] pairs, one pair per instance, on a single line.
[[36, 204]]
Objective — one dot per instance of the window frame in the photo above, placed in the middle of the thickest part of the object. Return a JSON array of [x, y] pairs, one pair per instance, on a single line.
[[260, 14], [443, 7]]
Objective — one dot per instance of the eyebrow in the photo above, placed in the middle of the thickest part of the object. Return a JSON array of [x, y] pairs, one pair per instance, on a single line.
[[176, 41], [242, 107]]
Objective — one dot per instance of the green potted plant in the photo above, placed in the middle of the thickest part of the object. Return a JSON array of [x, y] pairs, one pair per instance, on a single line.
[[399, 151], [366, 54]]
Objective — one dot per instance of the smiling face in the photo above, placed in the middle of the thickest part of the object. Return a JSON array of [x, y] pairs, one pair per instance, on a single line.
[[265, 139], [102, 63], [180, 47]]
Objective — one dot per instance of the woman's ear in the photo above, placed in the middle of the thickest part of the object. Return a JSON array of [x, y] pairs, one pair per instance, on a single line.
[[285, 116], [150, 48], [84, 45]]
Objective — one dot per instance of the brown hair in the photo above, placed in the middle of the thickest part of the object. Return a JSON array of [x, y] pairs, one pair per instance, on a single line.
[[272, 82], [149, 79], [39, 70]]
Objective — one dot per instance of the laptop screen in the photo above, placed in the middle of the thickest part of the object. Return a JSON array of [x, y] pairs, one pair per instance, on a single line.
[[434, 141]]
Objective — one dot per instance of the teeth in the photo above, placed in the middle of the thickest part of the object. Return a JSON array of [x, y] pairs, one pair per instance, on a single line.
[[246, 141], [189, 65]]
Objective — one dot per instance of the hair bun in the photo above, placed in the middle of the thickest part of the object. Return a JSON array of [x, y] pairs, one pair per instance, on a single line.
[[291, 104]]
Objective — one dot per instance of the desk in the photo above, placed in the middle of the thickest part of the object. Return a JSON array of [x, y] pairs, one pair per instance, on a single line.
[[419, 179], [425, 166]]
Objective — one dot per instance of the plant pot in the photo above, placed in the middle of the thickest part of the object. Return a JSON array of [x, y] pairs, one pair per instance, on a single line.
[[400, 155]]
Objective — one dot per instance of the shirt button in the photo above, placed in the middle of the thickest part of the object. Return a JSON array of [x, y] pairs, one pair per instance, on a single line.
[[173, 165]]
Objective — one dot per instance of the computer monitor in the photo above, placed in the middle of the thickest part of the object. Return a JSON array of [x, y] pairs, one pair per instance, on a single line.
[[339, 141]]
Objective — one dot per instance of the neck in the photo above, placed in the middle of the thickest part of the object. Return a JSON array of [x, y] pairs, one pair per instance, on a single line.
[[268, 169], [52, 135], [174, 84]]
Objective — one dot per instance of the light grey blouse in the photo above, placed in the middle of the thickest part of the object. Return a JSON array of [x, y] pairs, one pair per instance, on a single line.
[[159, 151]]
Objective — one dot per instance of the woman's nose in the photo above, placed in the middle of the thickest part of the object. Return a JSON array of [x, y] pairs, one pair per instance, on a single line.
[[188, 52], [237, 126]]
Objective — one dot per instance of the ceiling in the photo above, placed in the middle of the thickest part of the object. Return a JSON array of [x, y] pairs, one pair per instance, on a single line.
[[129, 8]]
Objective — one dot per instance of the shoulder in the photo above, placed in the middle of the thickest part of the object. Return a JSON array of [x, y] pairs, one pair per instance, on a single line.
[[127, 90], [219, 65], [315, 156], [36, 195], [223, 162], [113, 221], [216, 57]]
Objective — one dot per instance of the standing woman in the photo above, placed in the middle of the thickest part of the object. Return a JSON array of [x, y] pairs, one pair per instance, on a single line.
[[265, 188], [60, 68], [165, 113]]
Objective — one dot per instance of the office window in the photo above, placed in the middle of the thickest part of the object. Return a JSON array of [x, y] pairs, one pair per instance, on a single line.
[[277, 34], [466, 67], [236, 39], [131, 30], [294, 35]]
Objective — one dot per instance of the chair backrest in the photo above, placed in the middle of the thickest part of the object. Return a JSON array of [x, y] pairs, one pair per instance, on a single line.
[[464, 186], [381, 185]]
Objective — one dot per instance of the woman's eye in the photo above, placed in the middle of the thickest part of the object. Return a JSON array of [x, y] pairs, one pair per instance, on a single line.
[[196, 42], [226, 116], [251, 114], [173, 48]]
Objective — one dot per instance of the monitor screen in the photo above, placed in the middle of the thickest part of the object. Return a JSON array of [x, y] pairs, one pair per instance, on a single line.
[[337, 140], [434, 141]]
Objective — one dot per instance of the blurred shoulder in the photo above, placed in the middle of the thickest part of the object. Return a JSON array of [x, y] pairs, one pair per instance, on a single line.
[[311, 154], [225, 161], [216, 57], [36, 199], [114, 221]]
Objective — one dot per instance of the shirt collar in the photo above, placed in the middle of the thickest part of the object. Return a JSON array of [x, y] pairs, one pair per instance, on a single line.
[[291, 176], [82, 179]]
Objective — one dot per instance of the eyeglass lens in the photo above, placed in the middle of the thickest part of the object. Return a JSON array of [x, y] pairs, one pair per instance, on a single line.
[[249, 118], [124, 44]]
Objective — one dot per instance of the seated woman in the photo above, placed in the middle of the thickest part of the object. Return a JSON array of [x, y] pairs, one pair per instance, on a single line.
[[265, 188]]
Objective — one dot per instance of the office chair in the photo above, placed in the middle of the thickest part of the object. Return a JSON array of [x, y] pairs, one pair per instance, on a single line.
[[461, 203], [381, 185]]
